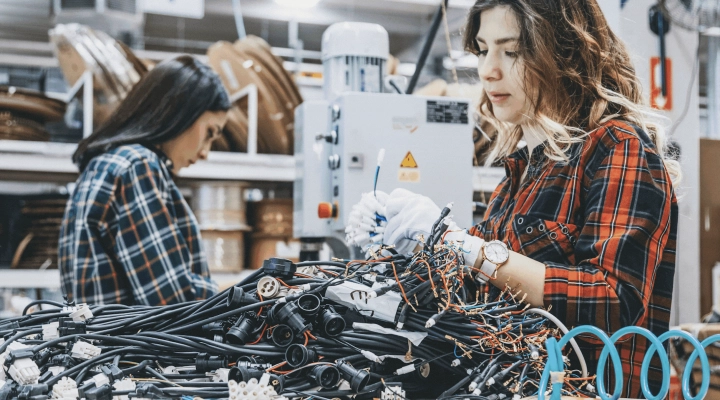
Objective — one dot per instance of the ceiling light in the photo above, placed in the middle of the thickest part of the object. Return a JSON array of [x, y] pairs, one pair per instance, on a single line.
[[298, 3]]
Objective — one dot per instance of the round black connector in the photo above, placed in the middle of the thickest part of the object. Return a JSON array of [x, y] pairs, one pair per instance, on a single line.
[[326, 376], [206, 363], [282, 336], [358, 379], [244, 373], [237, 297], [241, 332], [290, 315], [309, 305], [298, 355], [331, 323]]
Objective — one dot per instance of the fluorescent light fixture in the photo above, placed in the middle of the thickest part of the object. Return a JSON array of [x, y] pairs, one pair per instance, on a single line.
[[298, 3], [712, 31]]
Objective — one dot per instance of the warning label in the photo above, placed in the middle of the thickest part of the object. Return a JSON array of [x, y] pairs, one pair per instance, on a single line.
[[449, 112], [408, 161], [409, 175]]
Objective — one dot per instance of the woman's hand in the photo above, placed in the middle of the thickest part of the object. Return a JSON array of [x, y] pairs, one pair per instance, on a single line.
[[396, 219], [409, 216], [366, 221]]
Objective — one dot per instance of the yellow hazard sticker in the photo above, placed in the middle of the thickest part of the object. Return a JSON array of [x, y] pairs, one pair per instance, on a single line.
[[408, 161]]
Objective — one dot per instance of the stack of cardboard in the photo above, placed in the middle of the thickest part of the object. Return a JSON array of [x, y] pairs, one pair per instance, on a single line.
[[114, 67], [249, 61], [23, 114]]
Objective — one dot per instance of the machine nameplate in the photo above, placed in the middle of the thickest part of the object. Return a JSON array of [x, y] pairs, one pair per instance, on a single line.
[[449, 112]]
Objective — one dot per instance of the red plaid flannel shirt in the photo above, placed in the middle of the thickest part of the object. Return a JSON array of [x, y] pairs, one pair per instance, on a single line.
[[605, 225]]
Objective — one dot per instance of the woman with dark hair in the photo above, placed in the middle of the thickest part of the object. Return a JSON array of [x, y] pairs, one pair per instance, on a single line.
[[585, 221], [128, 236]]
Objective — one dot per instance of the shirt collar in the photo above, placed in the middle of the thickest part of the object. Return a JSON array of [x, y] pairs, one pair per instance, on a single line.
[[167, 162]]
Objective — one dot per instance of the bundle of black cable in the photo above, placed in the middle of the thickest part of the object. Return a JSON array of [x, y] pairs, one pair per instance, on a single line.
[[427, 329]]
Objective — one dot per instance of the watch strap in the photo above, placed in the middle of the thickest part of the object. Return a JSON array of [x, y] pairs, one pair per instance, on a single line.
[[487, 271]]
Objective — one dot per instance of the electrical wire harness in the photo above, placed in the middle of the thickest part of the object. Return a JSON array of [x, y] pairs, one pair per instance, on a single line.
[[395, 326]]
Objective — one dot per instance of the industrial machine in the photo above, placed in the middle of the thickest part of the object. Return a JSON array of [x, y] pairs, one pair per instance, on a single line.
[[427, 141]]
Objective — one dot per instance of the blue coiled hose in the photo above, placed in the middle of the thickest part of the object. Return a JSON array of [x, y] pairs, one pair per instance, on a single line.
[[555, 364]]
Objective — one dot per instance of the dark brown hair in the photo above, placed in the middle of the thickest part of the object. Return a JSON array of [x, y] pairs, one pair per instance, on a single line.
[[161, 106]]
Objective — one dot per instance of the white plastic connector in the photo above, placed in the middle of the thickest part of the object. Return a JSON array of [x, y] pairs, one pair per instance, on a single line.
[[24, 371], [253, 390], [472, 386], [220, 375], [69, 309], [370, 356], [455, 362], [56, 369], [234, 390], [170, 370], [100, 379], [476, 392], [430, 322], [490, 381], [405, 370], [590, 388], [299, 289], [65, 388], [50, 331], [268, 287], [82, 313], [392, 393], [85, 350], [122, 385], [309, 270], [516, 397], [12, 346]]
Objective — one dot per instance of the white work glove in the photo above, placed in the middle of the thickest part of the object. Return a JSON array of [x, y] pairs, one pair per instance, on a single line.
[[410, 215], [366, 221]]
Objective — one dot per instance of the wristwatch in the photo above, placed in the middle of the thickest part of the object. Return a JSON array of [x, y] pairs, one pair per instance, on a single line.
[[494, 253]]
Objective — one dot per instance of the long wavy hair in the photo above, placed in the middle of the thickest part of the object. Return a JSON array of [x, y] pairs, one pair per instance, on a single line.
[[580, 73], [160, 107]]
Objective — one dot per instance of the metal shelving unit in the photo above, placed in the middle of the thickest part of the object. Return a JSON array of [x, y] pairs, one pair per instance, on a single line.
[[50, 278], [52, 160]]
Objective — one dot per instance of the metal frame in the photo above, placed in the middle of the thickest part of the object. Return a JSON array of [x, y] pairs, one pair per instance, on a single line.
[[251, 92], [86, 83]]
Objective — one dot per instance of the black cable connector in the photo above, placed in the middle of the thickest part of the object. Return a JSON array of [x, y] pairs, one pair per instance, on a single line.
[[357, 379]]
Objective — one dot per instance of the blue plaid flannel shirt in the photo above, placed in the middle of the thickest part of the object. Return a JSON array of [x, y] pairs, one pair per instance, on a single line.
[[129, 236]]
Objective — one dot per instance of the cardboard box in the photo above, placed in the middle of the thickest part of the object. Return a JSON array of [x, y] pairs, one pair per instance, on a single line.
[[680, 350]]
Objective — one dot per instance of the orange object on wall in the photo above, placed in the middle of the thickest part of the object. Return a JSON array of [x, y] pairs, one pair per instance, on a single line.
[[656, 98]]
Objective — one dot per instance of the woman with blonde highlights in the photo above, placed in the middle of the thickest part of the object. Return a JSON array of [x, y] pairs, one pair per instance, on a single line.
[[585, 221]]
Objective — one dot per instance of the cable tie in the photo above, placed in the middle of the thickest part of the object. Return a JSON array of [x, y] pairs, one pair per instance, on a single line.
[[557, 377]]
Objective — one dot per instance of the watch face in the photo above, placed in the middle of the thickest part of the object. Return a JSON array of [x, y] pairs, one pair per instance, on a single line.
[[496, 252]]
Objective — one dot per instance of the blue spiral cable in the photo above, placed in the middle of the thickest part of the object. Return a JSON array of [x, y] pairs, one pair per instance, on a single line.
[[554, 366]]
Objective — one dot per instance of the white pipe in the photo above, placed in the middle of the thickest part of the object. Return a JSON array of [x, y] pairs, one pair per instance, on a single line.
[[565, 330]]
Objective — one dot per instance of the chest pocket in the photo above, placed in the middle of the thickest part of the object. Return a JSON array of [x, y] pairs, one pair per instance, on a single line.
[[544, 240]]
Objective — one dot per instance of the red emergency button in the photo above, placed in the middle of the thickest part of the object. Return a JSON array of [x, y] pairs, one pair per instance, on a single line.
[[327, 210]]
